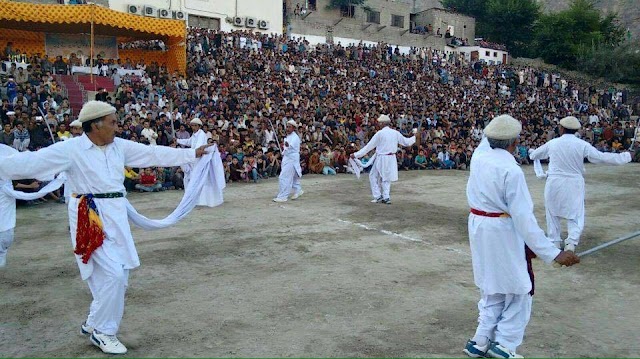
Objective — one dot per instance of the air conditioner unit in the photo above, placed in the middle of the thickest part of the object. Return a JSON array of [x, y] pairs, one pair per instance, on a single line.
[[263, 24], [150, 11], [134, 9], [238, 21], [164, 13], [179, 15], [251, 22]]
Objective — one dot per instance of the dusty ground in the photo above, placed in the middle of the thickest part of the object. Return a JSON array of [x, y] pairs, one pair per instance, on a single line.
[[328, 275]]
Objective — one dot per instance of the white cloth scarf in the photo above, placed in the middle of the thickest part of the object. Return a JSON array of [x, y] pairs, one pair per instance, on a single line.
[[50, 187], [356, 166], [209, 168]]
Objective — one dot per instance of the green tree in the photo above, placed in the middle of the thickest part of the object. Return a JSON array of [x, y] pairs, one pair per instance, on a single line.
[[509, 22], [512, 24], [563, 37]]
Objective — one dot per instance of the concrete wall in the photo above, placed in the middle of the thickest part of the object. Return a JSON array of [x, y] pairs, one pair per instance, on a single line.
[[351, 29], [269, 10], [463, 26]]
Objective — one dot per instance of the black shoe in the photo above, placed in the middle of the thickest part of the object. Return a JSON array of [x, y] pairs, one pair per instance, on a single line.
[[386, 201]]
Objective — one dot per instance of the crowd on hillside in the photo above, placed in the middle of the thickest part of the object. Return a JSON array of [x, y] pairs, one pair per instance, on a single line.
[[245, 86]]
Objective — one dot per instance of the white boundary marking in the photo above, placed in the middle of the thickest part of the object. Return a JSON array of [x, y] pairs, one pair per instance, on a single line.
[[399, 235]]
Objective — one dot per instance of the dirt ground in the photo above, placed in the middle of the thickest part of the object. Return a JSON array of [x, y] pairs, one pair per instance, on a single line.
[[328, 275]]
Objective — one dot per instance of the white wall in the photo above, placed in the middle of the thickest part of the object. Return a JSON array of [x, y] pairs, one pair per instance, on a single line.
[[270, 10], [494, 57], [315, 40]]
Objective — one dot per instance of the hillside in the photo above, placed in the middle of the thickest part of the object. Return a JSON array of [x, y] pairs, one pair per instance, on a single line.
[[628, 11]]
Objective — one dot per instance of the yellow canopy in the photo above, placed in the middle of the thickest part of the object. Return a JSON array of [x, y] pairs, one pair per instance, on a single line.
[[24, 24]]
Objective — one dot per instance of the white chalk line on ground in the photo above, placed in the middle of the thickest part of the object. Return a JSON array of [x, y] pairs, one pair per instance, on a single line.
[[399, 235]]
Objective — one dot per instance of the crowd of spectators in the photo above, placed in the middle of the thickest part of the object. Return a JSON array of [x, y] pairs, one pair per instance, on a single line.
[[245, 86]]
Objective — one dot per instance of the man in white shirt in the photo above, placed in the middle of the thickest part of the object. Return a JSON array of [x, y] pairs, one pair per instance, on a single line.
[[290, 172], [385, 167], [564, 190], [148, 133], [94, 165], [503, 236]]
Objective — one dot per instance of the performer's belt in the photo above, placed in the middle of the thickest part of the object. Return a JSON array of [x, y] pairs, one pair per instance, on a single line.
[[488, 214], [389, 154], [100, 195], [90, 230]]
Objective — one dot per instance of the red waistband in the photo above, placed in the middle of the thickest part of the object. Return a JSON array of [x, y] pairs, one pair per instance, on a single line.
[[487, 214]]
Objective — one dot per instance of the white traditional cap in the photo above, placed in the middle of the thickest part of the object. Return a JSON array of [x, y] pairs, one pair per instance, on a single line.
[[503, 127], [196, 121], [384, 119], [95, 109], [75, 123], [292, 123], [570, 123], [11, 113]]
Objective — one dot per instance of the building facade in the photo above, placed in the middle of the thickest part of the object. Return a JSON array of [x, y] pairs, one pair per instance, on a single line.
[[227, 15], [395, 22]]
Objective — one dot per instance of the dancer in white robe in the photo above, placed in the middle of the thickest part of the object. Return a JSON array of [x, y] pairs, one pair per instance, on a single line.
[[501, 223], [211, 194], [564, 191], [385, 168], [94, 165], [290, 170]]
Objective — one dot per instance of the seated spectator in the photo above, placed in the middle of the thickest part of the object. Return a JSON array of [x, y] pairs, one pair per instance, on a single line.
[[148, 181], [325, 160], [421, 161], [131, 178]]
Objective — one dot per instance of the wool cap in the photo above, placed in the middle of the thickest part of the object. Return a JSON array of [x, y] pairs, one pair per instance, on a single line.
[[503, 127], [95, 109]]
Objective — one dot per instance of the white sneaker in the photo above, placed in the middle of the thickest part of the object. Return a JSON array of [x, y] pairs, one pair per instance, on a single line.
[[279, 199], [86, 329], [376, 200], [107, 343], [298, 194], [498, 351], [569, 247]]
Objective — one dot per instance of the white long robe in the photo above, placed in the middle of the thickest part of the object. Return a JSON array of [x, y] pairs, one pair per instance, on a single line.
[[91, 169], [497, 185], [386, 142], [564, 191], [291, 155], [211, 194]]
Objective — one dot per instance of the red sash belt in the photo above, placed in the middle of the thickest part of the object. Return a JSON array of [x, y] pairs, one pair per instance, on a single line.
[[488, 214]]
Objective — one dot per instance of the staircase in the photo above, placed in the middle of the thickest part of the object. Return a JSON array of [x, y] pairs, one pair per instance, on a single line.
[[75, 93], [98, 83], [76, 87]]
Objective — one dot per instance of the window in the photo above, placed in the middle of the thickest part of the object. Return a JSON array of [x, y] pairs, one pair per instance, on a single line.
[[204, 22], [495, 54], [397, 21], [373, 16], [347, 11], [487, 53]]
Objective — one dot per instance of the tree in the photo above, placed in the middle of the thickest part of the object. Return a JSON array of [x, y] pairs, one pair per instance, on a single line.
[[508, 22], [563, 37], [512, 24]]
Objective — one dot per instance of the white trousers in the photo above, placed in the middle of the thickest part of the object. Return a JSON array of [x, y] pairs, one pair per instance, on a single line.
[[379, 188], [503, 318], [574, 228], [108, 284], [21, 145], [289, 182], [6, 238]]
